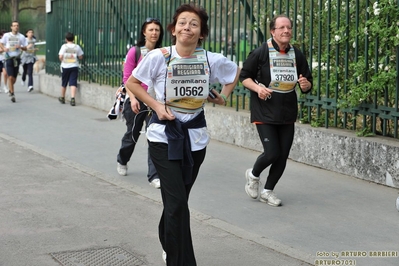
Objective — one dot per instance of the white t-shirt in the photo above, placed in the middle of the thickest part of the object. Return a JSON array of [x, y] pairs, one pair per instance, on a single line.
[[152, 71], [10, 41], [1, 54], [29, 56], [70, 53]]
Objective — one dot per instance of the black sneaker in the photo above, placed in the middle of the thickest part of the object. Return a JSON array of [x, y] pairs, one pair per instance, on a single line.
[[61, 100], [12, 97], [73, 101]]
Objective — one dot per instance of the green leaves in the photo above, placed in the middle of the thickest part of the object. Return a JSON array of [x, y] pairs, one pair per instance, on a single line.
[[372, 52]]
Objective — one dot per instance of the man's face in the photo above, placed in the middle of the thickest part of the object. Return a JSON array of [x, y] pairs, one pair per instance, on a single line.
[[282, 32], [15, 27]]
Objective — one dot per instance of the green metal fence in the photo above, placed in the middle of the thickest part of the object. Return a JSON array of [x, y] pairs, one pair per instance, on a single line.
[[353, 48], [5, 21]]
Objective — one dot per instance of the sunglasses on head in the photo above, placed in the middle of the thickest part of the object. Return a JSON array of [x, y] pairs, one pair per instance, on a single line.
[[148, 20]]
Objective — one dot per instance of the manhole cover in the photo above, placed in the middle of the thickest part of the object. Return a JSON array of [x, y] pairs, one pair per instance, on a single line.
[[114, 256]]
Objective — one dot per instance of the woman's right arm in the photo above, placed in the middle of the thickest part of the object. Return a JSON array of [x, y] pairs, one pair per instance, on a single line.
[[130, 63], [134, 86]]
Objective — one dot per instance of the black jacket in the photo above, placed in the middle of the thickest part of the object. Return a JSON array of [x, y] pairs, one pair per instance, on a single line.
[[282, 108]]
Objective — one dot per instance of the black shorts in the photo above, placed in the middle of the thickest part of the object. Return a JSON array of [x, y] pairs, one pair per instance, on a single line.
[[70, 76], [12, 66]]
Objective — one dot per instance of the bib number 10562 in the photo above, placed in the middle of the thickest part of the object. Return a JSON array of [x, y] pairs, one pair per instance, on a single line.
[[188, 91]]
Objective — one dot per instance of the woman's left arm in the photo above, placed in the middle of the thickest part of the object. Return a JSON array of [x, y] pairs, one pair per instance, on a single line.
[[227, 89]]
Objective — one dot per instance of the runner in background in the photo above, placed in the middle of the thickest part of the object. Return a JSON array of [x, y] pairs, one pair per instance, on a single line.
[[28, 58], [3, 71], [69, 55], [13, 43]]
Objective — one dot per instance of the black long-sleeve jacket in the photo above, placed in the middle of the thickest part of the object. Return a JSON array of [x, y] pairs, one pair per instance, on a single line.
[[281, 108]]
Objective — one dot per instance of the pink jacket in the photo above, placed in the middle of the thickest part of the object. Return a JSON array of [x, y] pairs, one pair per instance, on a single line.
[[130, 64]]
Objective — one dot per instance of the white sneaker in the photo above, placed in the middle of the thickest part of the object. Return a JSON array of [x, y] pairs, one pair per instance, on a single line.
[[30, 88], [270, 198], [5, 89], [252, 185], [164, 256], [121, 169], [22, 82], [156, 183]]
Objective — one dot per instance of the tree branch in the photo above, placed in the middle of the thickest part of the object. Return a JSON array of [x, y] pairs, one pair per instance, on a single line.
[[30, 8]]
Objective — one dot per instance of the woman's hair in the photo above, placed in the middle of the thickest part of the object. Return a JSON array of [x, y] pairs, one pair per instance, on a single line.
[[272, 24], [141, 41], [26, 32], [192, 8]]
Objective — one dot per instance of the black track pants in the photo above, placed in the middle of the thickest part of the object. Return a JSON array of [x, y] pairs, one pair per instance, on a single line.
[[277, 141]]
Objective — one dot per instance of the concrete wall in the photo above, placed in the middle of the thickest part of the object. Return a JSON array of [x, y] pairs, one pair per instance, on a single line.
[[374, 159]]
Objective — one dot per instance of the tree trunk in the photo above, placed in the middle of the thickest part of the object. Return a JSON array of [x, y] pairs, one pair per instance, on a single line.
[[14, 8]]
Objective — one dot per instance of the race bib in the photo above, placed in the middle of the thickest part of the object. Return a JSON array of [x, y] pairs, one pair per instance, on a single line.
[[13, 42], [187, 83], [31, 48], [70, 55], [282, 70]]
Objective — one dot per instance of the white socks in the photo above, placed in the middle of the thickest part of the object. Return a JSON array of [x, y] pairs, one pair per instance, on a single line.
[[252, 175]]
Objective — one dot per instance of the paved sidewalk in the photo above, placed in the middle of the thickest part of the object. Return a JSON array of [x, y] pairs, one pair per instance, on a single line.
[[49, 205], [59, 191]]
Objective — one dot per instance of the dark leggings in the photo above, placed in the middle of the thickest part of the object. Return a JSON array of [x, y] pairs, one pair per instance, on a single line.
[[134, 124], [28, 70], [277, 141], [174, 226]]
